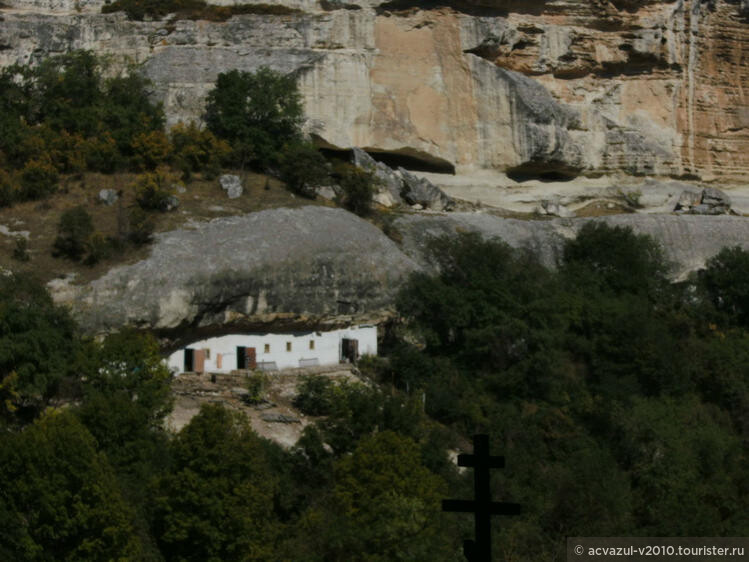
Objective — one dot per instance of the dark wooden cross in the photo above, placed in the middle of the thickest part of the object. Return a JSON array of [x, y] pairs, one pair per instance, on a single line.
[[482, 505]]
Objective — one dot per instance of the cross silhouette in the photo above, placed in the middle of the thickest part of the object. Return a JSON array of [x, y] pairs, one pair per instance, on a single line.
[[482, 505]]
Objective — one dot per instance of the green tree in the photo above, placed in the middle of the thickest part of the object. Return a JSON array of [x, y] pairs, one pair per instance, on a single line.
[[357, 188], [725, 283], [257, 112], [217, 502], [37, 180], [65, 111], [684, 462], [15, 95], [126, 398], [385, 505], [129, 111], [303, 168], [73, 233], [488, 303], [59, 498], [614, 258], [196, 150], [68, 94], [37, 343]]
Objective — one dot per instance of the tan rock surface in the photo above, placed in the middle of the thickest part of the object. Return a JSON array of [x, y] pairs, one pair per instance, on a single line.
[[555, 87]]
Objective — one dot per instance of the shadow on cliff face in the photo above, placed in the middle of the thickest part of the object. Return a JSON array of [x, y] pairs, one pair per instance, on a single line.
[[543, 171], [405, 158], [496, 8]]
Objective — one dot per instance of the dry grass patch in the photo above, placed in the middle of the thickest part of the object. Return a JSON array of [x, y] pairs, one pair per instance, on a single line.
[[202, 200]]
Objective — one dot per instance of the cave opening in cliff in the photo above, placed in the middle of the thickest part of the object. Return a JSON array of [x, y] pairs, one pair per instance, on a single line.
[[412, 161], [539, 172], [488, 9]]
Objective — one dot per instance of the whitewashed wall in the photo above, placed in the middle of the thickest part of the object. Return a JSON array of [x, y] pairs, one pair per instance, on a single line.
[[327, 348]]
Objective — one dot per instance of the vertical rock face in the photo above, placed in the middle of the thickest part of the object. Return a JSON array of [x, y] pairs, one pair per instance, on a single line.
[[533, 88], [661, 82]]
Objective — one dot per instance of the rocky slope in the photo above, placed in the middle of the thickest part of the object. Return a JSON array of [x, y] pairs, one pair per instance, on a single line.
[[536, 88]]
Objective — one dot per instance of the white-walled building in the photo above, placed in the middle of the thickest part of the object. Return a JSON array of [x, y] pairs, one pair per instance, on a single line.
[[224, 354]]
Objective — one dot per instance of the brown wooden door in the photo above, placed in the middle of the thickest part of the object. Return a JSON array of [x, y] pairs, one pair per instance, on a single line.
[[251, 362], [199, 360]]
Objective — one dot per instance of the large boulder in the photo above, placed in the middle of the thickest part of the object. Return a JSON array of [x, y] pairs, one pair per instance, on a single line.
[[420, 191], [280, 268]]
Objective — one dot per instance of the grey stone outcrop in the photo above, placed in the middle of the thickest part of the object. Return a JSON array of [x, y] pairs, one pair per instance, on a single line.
[[232, 185], [108, 196], [420, 191], [171, 203], [401, 186], [390, 182], [709, 201]]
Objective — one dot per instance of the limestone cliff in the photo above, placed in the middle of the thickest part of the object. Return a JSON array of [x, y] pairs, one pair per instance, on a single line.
[[554, 87]]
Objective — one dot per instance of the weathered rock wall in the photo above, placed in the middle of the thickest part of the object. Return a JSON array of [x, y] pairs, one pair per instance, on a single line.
[[313, 267], [560, 87]]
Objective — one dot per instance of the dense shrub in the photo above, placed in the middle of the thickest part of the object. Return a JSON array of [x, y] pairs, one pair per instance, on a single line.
[[303, 169], [140, 227], [725, 282], [99, 248], [73, 233], [102, 154], [21, 249], [315, 395], [68, 93], [256, 385], [150, 149], [357, 189], [37, 347], [68, 152], [197, 150], [139, 9], [7, 189], [61, 498], [614, 258], [154, 191], [37, 180]]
